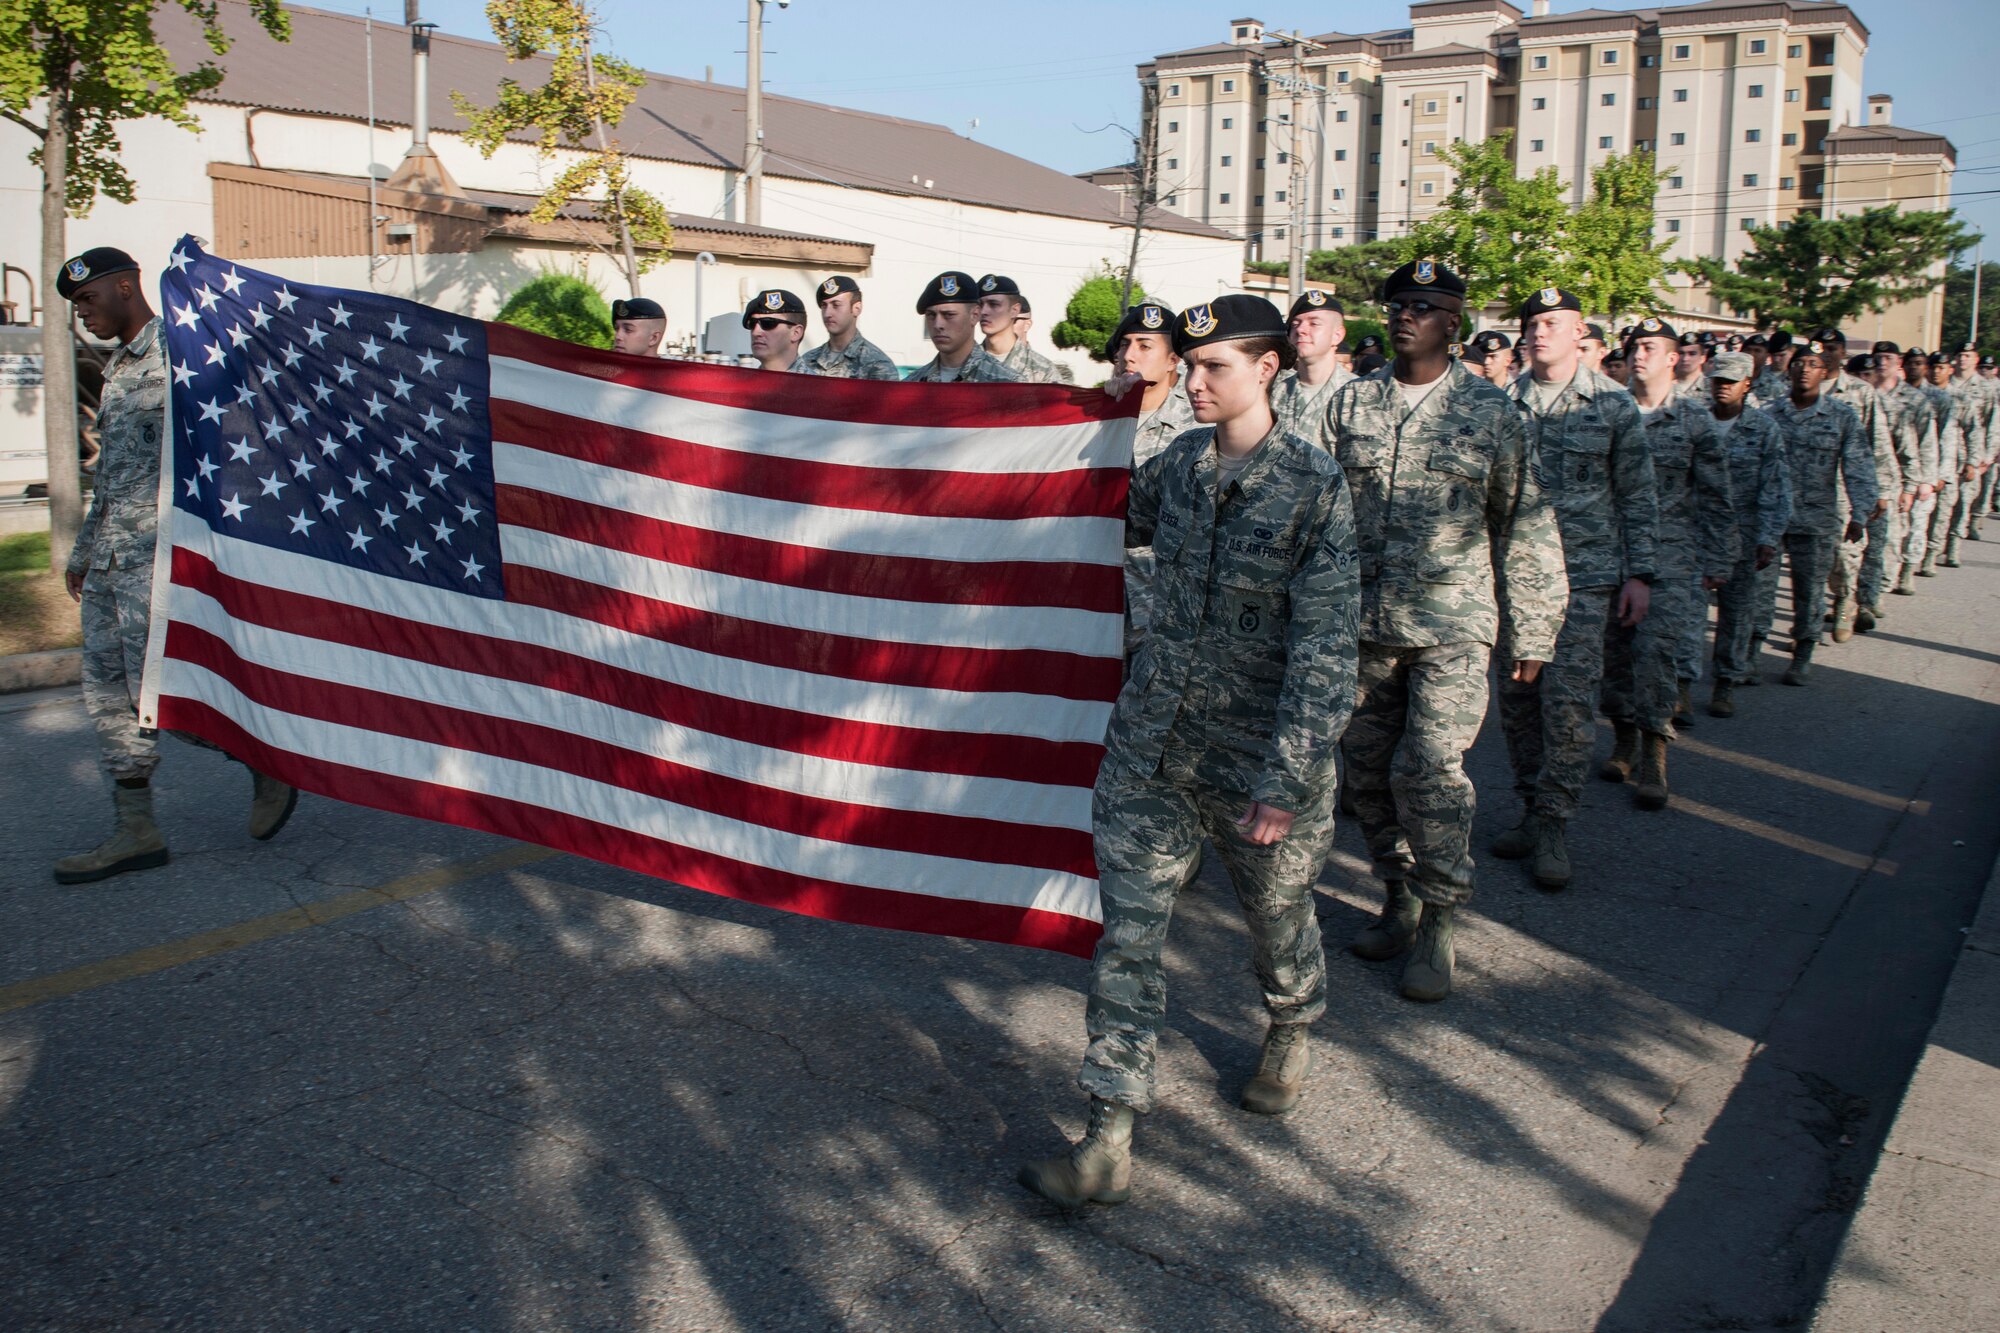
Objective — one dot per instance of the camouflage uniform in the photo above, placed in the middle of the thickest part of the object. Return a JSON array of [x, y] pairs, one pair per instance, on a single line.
[[1828, 458], [1857, 571], [1697, 537], [1981, 434], [1302, 410], [1157, 430], [1695, 391], [1238, 694], [1951, 458], [114, 553], [1031, 367], [1590, 458], [1913, 415], [1458, 546], [1768, 388], [979, 368], [862, 360], [1760, 492]]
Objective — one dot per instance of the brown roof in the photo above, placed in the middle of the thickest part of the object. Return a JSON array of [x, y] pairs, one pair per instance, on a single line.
[[1452, 8], [1796, 11], [1449, 56], [1898, 140], [323, 71]]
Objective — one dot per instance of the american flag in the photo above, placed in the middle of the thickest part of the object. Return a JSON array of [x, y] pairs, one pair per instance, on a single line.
[[835, 646]]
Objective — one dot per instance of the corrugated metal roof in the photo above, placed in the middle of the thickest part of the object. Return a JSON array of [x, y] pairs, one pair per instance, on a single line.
[[323, 71]]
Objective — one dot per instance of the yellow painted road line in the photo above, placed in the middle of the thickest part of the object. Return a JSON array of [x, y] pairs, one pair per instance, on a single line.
[[172, 953], [1803, 778], [1824, 850]]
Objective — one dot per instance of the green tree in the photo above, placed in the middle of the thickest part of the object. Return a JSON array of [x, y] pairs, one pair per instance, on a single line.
[[560, 306], [1503, 233], [1093, 312], [582, 102], [1355, 272], [70, 70], [1614, 263], [1813, 271], [1958, 307]]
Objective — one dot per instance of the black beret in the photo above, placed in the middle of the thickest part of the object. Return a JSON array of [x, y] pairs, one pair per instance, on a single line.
[[1626, 333], [949, 288], [994, 284], [774, 301], [1368, 363], [1461, 350], [1227, 319], [1146, 317], [1547, 299], [1987, 360], [1615, 354], [1780, 341], [637, 307], [835, 285], [1424, 276], [92, 264], [1810, 347], [1830, 335], [1862, 364], [1652, 326], [1491, 340], [1959, 349], [1756, 340], [1591, 331], [1371, 343], [1885, 346], [1692, 339], [1915, 354], [1314, 300]]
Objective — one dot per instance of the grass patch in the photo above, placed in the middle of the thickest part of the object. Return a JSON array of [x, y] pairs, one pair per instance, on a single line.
[[35, 610]]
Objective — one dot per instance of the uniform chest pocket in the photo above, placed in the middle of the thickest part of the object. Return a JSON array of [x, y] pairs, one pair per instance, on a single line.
[[1358, 451], [1462, 474], [1168, 539], [1253, 603], [1672, 453]]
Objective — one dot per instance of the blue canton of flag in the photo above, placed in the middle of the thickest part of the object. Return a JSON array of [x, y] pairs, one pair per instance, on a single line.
[[337, 424]]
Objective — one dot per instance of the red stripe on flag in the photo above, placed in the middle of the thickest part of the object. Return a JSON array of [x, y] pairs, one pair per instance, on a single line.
[[1017, 758], [921, 833], [928, 666], [827, 899], [1075, 493], [850, 402], [1069, 584]]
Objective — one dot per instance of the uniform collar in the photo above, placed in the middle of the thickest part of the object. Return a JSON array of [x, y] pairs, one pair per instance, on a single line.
[[143, 342]]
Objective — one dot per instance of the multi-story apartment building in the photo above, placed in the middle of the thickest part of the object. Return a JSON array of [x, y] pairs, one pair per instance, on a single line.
[[1746, 104]]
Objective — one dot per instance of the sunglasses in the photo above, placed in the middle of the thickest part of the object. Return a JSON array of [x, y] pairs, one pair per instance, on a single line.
[[1417, 308], [766, 325]]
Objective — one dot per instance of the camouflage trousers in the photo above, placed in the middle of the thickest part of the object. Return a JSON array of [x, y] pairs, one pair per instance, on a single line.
[[1139, 567], [1765, 600], [1416, 713], [1640, 661], [1550, 723], [1736, 611], [1973, 498], [1148, 832], [117, 606], [1687, 652], [1943, 518], [1859, 567], [1810, 556], [1917, 538]]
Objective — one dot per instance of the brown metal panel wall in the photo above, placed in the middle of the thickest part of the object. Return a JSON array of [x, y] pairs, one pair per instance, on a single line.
[[258, 220]]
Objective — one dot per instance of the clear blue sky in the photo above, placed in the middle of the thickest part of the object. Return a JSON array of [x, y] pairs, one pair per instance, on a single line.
[[1040, 76]]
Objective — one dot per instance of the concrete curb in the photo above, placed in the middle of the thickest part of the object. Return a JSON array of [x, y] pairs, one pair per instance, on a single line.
[[40, 671], [1924, 1247]]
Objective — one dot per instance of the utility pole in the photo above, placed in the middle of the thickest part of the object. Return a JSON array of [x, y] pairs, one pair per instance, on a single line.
[[753, 129], [1145, 180], [1972, 334], [1296, 84]]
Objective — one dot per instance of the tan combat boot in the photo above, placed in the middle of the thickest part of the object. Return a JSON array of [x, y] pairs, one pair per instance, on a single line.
[[135, 842], [271, 804], [1427, 976], [1866, 617], [1651, 793], [1516, 842], [1281, 1073], [1097, 1170], [1551, 866], [1720, 702], [1391, 932], [1684, 706], [1905, 585], [1842, 619], [1624, 752]]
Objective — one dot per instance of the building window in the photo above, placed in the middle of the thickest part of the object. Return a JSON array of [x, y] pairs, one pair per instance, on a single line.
[[1756, 90], [1758, 46], [1225, 159], [1541, 104], [1340, 194], [1340, 154], [1228, 122], [1225, 199], [1541, 62], [1649, 62], [1603, 141], [1229, 85], [1791, 94], [1431, 108], [1375, 119], [1788, 182], [1794, 51], [1753, 136], [1745, 224], [1173, 90], [1819, 187], [1284, 158], [1340, 117], [1173, 164], [1430, 187], [1375, 159], [1257, 199], [1173, 127], [1791, 140], [1534, 145], [1279, 234], [1683, 51], [1749, 180], [1172, 200], [1281, 196], [1673, 224], [1243, 32], [1608, 58], [1677, 139], [1341, 77], [1260, 163], [1608, 99], [1646, 103], [1430, 148], [1674, 182], [1339, 232]]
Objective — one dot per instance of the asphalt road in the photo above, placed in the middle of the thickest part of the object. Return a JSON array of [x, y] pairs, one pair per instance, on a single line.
[[383, 1074]]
